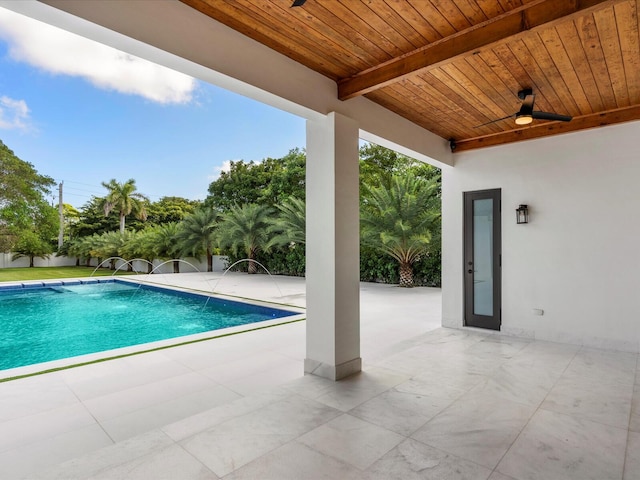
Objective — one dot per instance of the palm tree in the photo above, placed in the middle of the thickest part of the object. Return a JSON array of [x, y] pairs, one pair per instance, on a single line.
[[196, 234], [109, 244], [140, 245], [81, 249], [290, 225], [165, 241], [124, 199], [398, 220], [245, 228]]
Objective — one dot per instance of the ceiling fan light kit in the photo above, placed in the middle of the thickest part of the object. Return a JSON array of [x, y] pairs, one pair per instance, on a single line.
[[526, 114], [523, 119]]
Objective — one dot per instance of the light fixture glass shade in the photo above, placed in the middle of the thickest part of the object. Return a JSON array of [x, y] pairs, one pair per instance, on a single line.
[[523, 119], [522, 214]]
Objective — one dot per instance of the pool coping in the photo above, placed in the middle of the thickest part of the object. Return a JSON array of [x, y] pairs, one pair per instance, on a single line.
[[113, 354]]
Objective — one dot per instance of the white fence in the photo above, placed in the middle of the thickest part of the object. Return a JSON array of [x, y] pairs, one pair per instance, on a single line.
[[220, 263], [52, 261]]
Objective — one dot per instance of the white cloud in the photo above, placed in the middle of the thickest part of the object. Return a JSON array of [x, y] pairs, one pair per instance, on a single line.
[[217, 170], [14, 114], [60, 52]]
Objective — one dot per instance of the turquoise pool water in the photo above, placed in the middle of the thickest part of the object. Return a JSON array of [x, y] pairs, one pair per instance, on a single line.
[[60, 321]]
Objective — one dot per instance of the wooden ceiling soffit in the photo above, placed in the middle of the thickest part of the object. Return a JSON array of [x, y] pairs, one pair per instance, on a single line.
[[620, 115], [499, 29]]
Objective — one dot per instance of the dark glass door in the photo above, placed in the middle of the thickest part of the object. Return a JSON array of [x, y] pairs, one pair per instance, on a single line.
[[482, 259]]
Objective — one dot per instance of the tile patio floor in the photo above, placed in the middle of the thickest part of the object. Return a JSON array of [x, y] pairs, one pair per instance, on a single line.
[[431, 403]]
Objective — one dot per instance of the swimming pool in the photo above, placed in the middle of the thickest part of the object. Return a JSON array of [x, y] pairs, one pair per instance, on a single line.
[[66, 319]]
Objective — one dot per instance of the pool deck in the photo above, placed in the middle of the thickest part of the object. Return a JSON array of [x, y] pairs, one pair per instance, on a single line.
[[47, 419], [431, 402]]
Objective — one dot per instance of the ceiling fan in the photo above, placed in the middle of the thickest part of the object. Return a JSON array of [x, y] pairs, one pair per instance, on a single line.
[[527, 114], [298, 3]]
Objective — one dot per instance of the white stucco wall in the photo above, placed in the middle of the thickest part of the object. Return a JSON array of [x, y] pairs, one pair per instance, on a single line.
[[578, 257], [6, 261], [220, 263]]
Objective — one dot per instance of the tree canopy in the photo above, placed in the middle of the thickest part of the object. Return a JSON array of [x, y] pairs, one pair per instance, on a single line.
[[23, 204], [269, 182], [19, 180], [379, 164], [170, 209]]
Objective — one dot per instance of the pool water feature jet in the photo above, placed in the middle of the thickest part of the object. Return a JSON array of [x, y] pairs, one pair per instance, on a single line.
[[130, 262], [236, 263], [164, 263], [175, 260], [105, 261]]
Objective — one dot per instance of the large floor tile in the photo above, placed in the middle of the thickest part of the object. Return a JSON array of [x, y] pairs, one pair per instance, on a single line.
[[260, 361], [107, 458], [499, 476], [295, 461], [38, 456], [455, 336], [605, 403], [260, 381], [352, 440], [634, 422], [121, 374], [24, 397], [554, 357], [236, 442], [165, 413], [168, 463], [515, 384], [431, 386], [480, 363], [604, 366], [632, 461], [357, 389], [412, 460], [144, 396], [400, 412], [498, 345], [477, 428], [413, 360], [232, 445], [209, 418], [444, 380], [563, 447], [310, 386], [31, 429]]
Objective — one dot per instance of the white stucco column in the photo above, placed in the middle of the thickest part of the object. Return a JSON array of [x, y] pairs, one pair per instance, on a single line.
[[333, 248]]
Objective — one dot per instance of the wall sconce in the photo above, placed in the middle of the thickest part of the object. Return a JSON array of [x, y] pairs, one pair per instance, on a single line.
[[522, 214]]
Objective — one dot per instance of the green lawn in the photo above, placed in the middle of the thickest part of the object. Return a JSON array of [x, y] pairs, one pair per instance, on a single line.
[[43, 273]]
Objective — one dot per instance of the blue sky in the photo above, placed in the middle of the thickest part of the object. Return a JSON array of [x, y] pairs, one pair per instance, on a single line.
[[83, 113]]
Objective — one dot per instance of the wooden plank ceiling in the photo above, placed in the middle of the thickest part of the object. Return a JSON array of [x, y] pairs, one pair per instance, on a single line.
[[451, 65]]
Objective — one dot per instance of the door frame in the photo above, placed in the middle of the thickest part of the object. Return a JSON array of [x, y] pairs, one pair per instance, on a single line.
[[471, 319]]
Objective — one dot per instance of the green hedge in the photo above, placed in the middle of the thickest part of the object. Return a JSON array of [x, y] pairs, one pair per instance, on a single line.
[[374, 267]]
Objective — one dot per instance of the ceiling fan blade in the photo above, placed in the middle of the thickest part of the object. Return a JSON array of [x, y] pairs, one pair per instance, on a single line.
[[551, 116], [495, 121], [298, 3]]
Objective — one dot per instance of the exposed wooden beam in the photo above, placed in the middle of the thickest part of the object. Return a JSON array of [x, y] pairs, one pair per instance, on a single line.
[[620, 115], [493, 31]]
